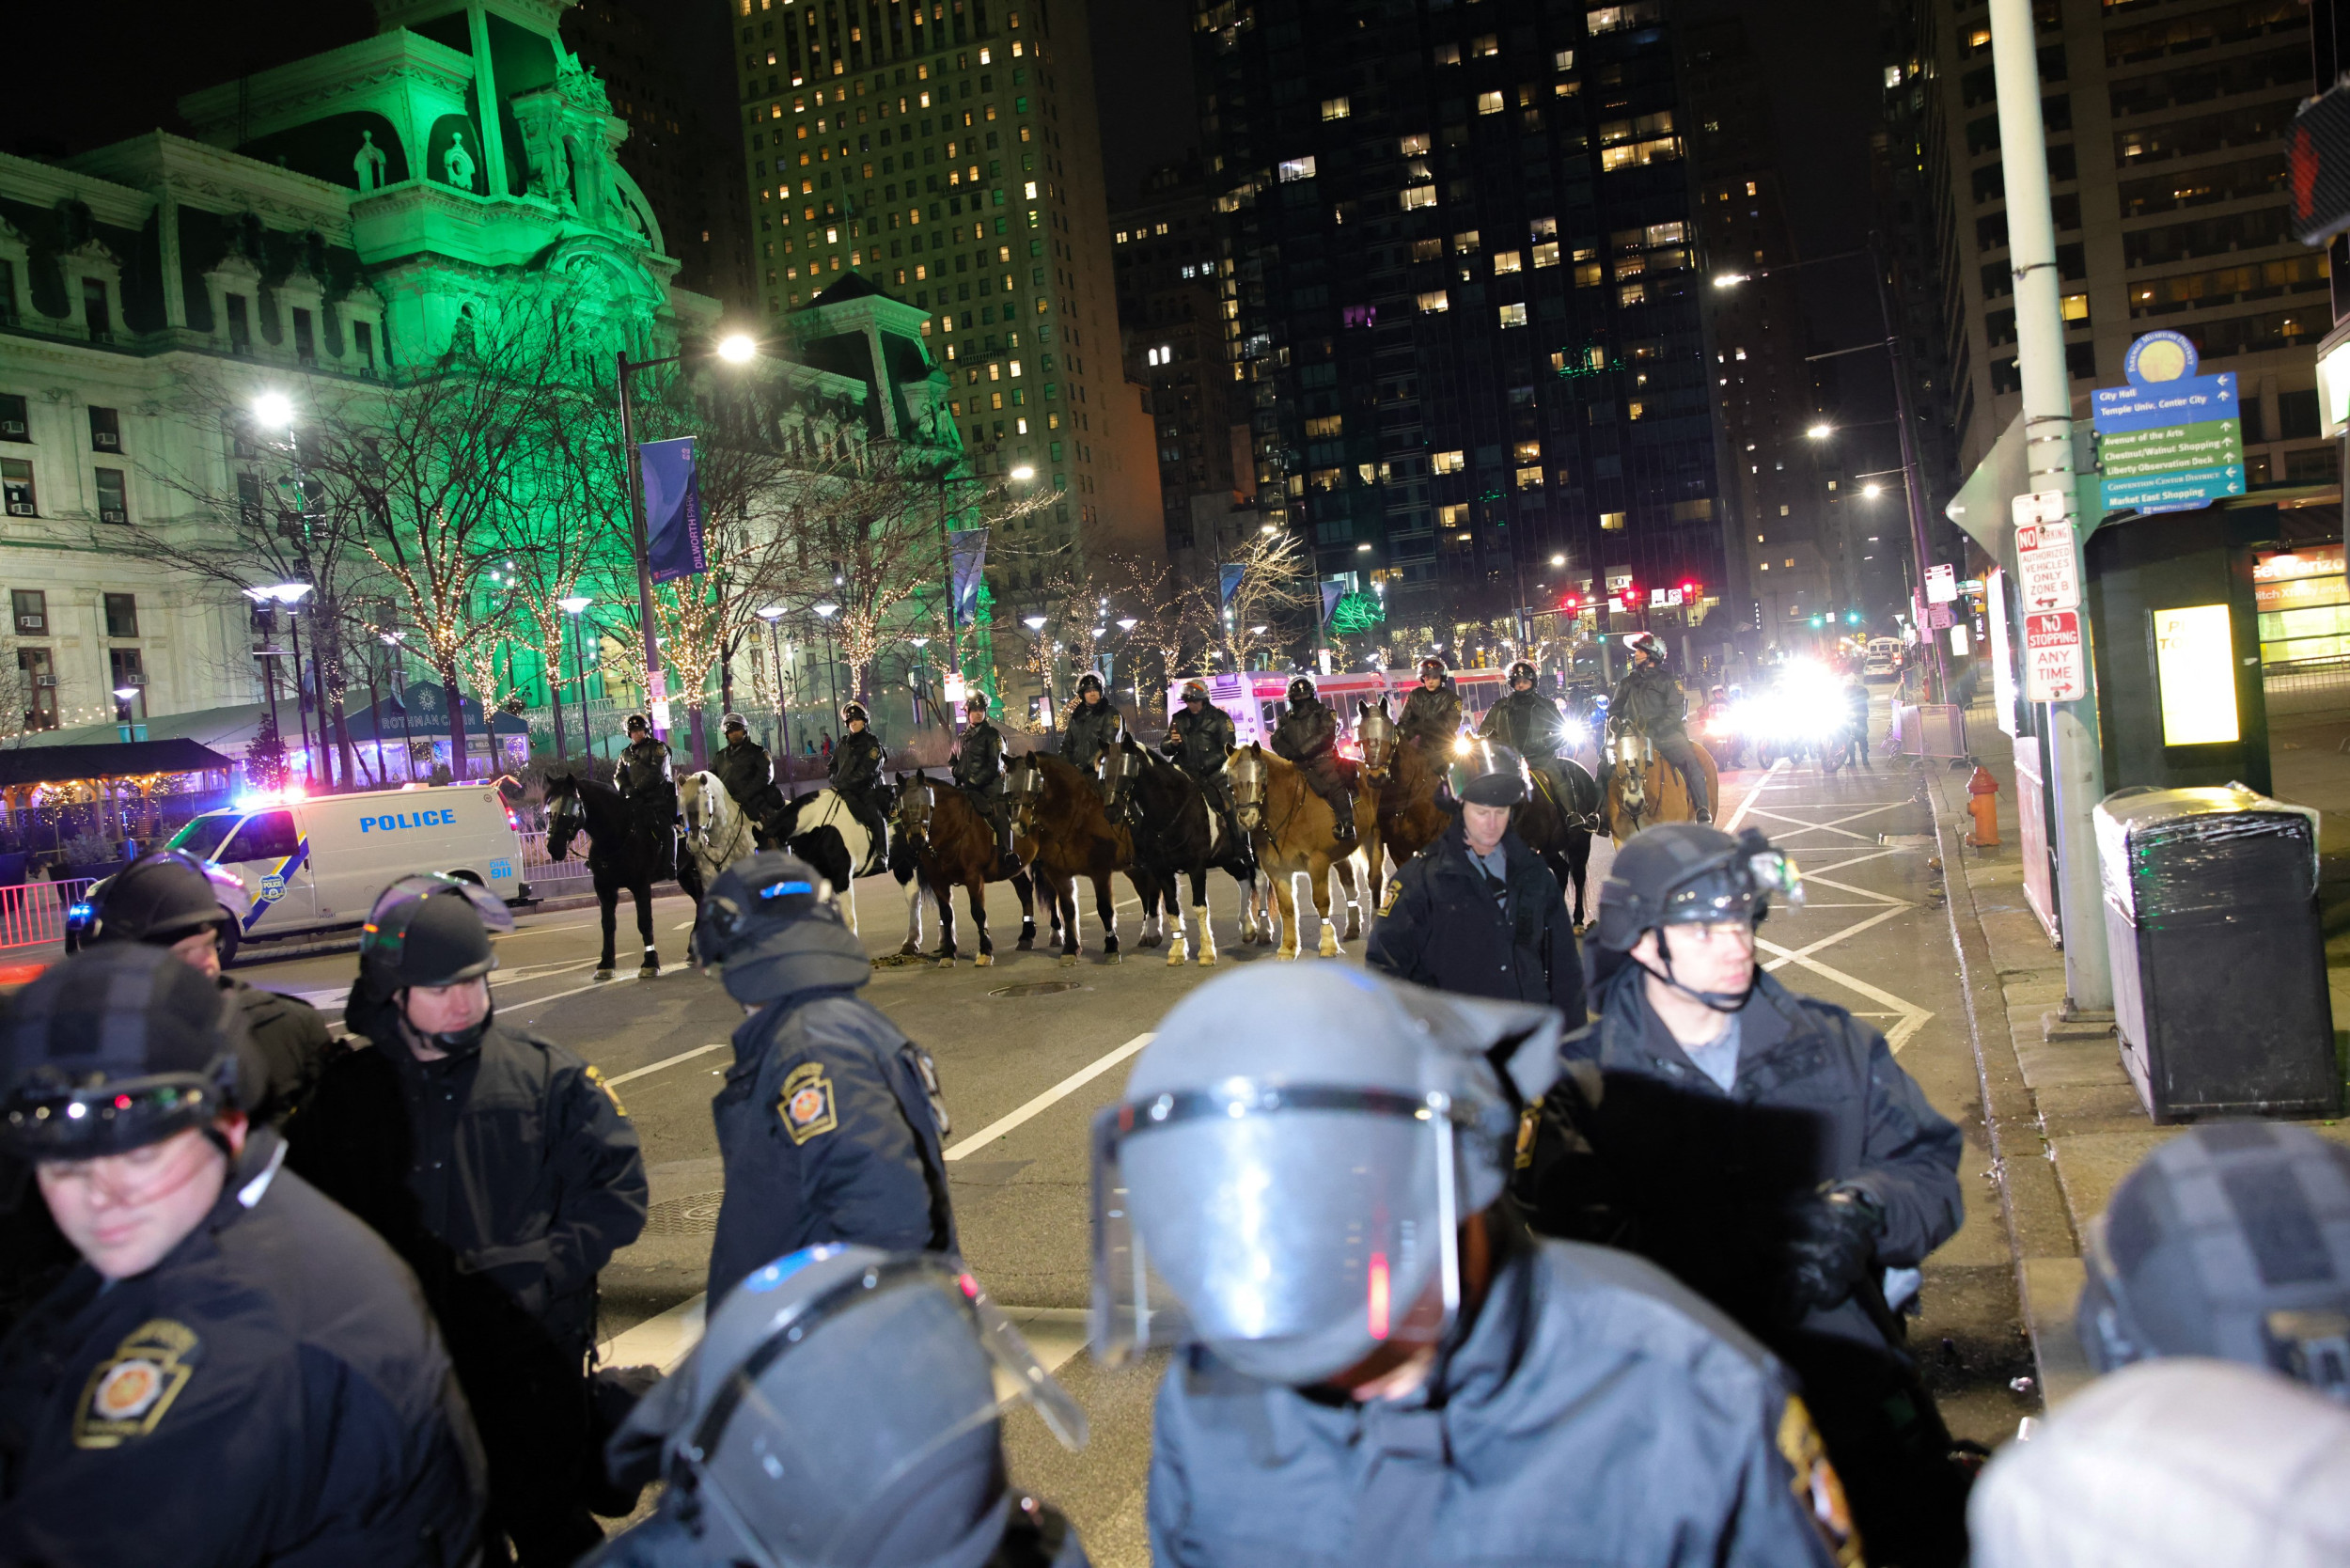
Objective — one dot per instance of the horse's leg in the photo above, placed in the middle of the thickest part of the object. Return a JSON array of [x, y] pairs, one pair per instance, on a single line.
[[651, 968], [1200, 912], [978, 887], [1330, 948], [1024, 887], [608, 902], [1345, 868], [945, 892], [1285, 895], [1147, 894], [1179, 943], [1064, 891], [1106, 906], [1578, 866]]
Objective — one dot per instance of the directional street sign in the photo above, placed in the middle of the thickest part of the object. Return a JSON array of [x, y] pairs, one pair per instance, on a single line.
[[2045, 574], [2054, 669], [2171, 440]]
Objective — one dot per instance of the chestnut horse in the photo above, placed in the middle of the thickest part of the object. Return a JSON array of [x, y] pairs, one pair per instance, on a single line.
[[1292, 830], [1061, 830], [1404, 777], [1643, 789], [952, 845]]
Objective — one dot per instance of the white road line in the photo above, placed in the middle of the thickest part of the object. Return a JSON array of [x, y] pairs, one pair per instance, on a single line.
[[661, 1341], [1740, 815], [591, 985], [666, 1062], [1043, 1101]]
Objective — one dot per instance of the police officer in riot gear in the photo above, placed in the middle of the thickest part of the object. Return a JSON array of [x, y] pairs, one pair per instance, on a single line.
[[742, 766], [1649, 701], [977, 769], [1199, 738], [236, 1371], [841, 1411], [1308, 736], [1477, 911], [1380, 1364], [506, 1173], [172, 900], [1524, 721], [1766, 1148], [1094, 722], [645, 783], [856, 767], [831, 1122], [1432, 714]]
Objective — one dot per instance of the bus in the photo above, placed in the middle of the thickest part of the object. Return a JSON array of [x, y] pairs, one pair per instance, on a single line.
[[1883, 659]]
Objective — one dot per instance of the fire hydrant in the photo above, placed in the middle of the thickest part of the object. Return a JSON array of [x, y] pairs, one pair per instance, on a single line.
[[1983, 801]]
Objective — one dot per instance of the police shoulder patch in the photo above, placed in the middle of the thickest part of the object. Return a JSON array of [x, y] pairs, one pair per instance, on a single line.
[[1394, 891], [806, 1104], [130, 1391], [597, 1078], [1815, 1484]]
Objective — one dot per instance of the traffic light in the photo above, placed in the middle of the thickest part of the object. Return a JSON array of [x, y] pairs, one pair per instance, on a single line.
[[1852, 618], [1816, 622], [2317, 165]]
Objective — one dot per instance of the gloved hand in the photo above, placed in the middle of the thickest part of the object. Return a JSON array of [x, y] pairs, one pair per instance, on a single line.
[[1832, 1240]]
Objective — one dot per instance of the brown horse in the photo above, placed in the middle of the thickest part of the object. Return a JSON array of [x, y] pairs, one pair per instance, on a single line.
[[951, 845], [1061, 830], [1292, 830], [1643, 789], [1404, 777]]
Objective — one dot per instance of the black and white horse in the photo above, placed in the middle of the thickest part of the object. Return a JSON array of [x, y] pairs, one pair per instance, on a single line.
[[1178, 834], [821, 829]]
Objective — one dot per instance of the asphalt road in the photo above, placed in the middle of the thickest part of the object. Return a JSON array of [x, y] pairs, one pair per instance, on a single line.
[[1028, 1049]]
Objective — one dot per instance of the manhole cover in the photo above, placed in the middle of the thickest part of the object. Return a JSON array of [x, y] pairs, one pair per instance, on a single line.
[[694, 1216], [1034, 988]]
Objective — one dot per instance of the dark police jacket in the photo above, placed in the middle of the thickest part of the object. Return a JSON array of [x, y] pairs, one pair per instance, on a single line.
[[1200, 742], [1637, 1146], [1594, 1413], [1649, 701], [293, 1041], [1526, 722], [857, 762], [1308, 733], [979, 763], [830, 1122], [1431, 717], [511, 1165], [1093, 728], [274, 1391], [644, 768], [1440, 925], [742, 767]]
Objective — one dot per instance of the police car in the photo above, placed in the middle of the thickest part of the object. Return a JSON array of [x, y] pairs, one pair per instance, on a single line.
[[313, 863]]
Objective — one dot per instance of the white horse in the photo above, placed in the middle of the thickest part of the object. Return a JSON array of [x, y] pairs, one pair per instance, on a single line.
[[718, 832]]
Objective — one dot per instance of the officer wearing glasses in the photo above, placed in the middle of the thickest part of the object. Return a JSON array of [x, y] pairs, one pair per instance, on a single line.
[[1767, 1149]]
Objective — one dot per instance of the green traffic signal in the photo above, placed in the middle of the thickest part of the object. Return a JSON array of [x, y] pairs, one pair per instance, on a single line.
[[1815, 623]]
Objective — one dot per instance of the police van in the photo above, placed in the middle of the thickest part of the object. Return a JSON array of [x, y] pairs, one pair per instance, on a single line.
[[314, 863]]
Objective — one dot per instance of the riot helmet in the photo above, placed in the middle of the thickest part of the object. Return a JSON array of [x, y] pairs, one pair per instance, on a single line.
[[733, 722], [1490, 773], [1522, 670], [120, 1047], [1301, 691], [636, 722], [1431, 668], [770, 909], [162, 897], [855, 714], [1194, 691], [1690, 873], [1089, 682], [426, 931], [2232, 1240], [842, 1411], [975, 703], [1290, 1196], [1647, 643]]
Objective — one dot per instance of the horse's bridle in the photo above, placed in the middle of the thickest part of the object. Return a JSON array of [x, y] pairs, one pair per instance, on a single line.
[[1025, 783], [1378, 740], [1118, 771], [701, 830], [914, 822], [1251, 782]]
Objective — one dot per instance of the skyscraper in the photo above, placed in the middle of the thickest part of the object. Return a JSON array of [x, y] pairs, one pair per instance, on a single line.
[[1464, 305]]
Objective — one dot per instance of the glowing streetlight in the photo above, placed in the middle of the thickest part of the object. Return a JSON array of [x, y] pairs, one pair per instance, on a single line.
[[1821, 432], [1728, 280], [273, 411], [738, 347], [574, 604], [1033, 622], [1871, 491], [125, 693], [1023, 473], [1127, 623], [1362, 549], [1557, 560], [826, 610]]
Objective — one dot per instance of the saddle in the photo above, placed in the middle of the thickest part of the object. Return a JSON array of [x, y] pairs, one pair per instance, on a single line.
[[1550, 779]]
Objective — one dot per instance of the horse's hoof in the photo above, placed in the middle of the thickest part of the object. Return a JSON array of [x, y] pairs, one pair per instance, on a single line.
[[1068, 961], [1174, 957], [1026, 944], [1287, 955], [1113, 958], [651, 971], [946, 961], [1330, 948], [1146, 942], [603, 974], [1207, 960], [910, 950], [985, 961]]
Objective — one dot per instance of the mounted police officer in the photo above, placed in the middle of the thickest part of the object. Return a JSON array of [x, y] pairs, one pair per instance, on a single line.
[[237, 1371], [1766, 1149], [977, 769], [1478, 912], [195, 912], [1199, 739], [1524, 721], [1308, 736], [831, 1122], [856, 766], [645, 783], [1649, 701], [1382, 1366], [742, 766], [842, 1410], [1432, 714], [503, 1169], [1094, 722]]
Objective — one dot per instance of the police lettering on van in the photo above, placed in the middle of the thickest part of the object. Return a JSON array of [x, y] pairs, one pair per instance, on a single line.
[[407, 818]]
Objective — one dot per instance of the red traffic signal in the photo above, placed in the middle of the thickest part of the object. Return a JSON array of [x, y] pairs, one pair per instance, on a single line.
[[2317, 165]]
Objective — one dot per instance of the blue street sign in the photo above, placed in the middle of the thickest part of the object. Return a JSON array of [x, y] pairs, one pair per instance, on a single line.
[[2154, 405], [2183, 490]]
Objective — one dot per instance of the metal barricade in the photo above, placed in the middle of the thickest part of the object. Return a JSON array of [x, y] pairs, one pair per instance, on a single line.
[[33, 913], [549, 876], [1929, 729]]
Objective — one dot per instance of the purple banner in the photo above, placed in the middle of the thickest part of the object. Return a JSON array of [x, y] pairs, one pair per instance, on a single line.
[[673, 509]]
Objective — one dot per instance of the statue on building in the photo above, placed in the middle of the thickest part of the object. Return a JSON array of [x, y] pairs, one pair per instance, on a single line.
[[370, 164], [459, 162]]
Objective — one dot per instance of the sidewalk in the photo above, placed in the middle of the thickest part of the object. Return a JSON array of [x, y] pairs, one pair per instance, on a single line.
[[2064, 1121]]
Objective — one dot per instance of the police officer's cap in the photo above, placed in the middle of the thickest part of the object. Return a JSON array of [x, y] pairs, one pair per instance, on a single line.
[[1646, 642], [2231, 1240], [162, 897], [1432, 665], [1492, 774], [120, 1047], [1195, 689], [770, 908], [841, 1409], [1281, 1151], [734, 721], [1690, 873]]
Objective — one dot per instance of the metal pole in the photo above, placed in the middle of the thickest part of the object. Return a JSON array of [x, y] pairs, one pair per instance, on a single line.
[[2076, 769], [269, 679], [1913, 483], [309, 758], [579, 673], [656, 682], [946, 559]]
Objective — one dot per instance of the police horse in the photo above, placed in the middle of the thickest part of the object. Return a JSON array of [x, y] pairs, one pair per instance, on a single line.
[[821, 829], [718, 832], [1403, 779], [621, 855], [1292, 830], [940, 840], [1643, 789], [1177, 833], [1058, 809]]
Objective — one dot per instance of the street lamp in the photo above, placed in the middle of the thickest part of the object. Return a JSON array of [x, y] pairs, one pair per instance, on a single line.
[[272, 411], [771, 614], [1023, 473], [737, 348], [824, 612], [572, 606], [397, 643], [1821, 432], [289, 595]]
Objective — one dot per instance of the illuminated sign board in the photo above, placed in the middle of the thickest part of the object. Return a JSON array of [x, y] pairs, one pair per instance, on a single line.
[[2195, 670]]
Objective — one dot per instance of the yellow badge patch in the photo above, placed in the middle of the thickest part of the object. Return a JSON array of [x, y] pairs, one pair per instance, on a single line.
[[1815, 1482], [1528, 1120], [805, 1104], [130, 1391], [597, 1078], [1394, 891]]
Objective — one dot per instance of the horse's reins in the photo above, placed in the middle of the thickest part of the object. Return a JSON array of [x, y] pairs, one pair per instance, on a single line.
[[742, 822]]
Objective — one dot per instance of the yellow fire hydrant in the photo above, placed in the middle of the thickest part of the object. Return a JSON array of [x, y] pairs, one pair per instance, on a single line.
[[1983, 801]]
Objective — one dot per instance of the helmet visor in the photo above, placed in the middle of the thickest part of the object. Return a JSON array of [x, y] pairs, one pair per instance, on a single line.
[[53, 1121], [386, 925], [783, 1453], [1292, 1228]]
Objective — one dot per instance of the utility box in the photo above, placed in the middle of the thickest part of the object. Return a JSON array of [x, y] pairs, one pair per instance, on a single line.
[[2218, 960]]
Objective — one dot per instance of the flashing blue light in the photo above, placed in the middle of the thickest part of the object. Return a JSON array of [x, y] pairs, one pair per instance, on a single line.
[[785, 889], [77, 912]]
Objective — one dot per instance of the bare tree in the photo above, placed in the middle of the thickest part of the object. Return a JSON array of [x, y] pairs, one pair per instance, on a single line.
[[1276, 585]]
